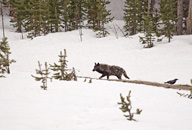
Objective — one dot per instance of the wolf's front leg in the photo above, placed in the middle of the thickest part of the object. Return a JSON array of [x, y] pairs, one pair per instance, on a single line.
[[103, 75]]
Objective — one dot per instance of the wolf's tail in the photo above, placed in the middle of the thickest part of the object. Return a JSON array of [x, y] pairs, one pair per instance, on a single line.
[[125, 74]]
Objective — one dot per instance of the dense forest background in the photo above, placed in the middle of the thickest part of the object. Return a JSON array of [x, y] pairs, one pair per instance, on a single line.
[[117, 7], [154, 18]]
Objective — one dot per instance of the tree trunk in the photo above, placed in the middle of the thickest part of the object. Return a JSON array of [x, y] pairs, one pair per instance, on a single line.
[[1, 12], [189, 18], [152, 4], [179, 17]]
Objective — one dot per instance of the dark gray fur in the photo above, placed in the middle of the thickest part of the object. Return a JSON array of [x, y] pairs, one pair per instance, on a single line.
[[107, 70]]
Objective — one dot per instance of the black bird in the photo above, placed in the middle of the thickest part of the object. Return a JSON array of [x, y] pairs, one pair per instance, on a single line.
[[172, 81]]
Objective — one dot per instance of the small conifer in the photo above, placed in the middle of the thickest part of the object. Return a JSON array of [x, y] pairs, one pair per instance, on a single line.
[[44, 75], [61, 71], [4, 57], [90, 80], [186, 95], [127, 107], [61, 68]]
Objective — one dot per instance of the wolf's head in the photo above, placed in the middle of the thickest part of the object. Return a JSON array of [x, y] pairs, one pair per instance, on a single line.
[[96, 67]]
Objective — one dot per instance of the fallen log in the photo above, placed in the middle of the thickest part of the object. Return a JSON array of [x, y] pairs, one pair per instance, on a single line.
[[156, 84]]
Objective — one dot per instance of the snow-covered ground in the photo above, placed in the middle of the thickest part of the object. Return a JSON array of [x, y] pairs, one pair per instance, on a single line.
[[93, 106]]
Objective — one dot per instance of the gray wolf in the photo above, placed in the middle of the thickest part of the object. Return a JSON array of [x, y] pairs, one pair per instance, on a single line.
[[107, 70]]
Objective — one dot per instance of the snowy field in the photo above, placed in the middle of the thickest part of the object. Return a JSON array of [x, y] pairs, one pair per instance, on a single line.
[[93, 106]]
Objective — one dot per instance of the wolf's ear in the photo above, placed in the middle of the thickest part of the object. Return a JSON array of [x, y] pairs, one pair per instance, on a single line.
[[95, 64], [98, 64]]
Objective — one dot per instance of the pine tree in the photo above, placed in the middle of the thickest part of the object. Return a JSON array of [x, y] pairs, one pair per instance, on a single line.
[[168, 17], [61, 68], [78, 7], [156, 22], [3, 49], [64, 14], [129, 28], [61, 71], [148, 29], [54, 15], [82, 10], [141, 12], [4, 56], [103, 18], [98, 16], [44, 17], [73, 13], [92, 13], [133, 16], [90, 80], [81, 14], [126, 106], [18, 17], [44, 75], [186, 95], [37, 20]]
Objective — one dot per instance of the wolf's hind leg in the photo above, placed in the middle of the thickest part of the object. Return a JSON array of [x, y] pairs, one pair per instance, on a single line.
[[107, 76], [119, 77]]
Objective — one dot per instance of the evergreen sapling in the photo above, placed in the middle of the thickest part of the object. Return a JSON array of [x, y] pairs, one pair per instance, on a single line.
[[61, 71], [4, 57], [85, 80], [126, 107], [61, 68], [90, 80], [186, 95], [44, 75]]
